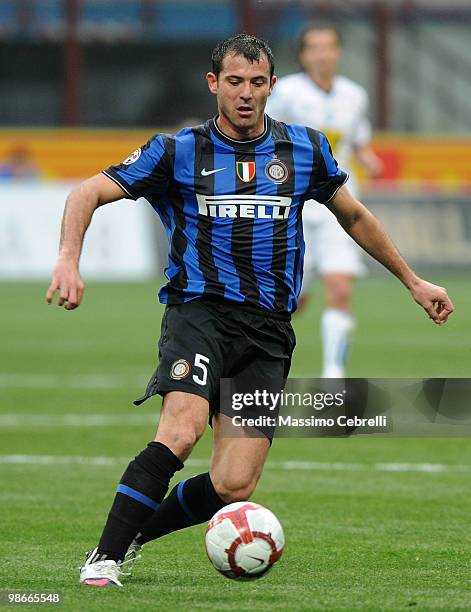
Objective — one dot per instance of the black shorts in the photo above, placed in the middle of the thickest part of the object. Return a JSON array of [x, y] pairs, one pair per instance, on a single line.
[[203, 342]]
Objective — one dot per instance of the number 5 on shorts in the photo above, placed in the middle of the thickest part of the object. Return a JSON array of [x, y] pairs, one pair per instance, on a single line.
[[200, 362]]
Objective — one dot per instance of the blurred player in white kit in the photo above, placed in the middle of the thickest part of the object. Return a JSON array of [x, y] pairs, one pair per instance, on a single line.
[[320, 98]]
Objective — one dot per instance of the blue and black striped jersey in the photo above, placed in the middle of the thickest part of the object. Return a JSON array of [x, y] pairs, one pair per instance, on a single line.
[[232, 209]]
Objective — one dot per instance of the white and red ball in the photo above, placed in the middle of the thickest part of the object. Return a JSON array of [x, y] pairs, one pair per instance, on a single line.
[[244, 540]]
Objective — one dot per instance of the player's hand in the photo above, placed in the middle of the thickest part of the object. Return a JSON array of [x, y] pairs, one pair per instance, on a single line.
[[375, 167], [433, 299], [67, 280], [370, 161], [302, 301]]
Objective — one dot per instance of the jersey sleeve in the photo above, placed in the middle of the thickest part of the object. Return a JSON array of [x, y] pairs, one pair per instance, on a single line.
[[144, 173], [326, 176]]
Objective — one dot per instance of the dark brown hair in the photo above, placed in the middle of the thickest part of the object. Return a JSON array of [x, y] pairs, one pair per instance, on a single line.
[[317, 27], [249, 46]]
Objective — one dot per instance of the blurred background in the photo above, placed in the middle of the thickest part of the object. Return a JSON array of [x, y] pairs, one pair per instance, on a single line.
[[84, 82]]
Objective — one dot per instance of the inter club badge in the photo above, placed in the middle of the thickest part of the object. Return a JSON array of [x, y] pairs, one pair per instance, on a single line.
[[245, 171], [277, 171], [180, 369]]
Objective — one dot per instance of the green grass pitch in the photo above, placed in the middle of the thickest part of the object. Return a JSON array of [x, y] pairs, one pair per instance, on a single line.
[[358, 536]]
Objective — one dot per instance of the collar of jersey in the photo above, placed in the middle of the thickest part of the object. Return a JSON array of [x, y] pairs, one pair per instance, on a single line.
[[319, 88], [240, 144]]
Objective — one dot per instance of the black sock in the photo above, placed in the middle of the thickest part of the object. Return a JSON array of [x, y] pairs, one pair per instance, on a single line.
[[191, 502], [141, 489]]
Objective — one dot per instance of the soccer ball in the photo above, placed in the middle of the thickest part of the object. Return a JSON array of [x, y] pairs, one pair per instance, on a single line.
[[244, 540]]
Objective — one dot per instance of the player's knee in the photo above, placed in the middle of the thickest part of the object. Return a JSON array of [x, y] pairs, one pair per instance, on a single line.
[[181, 424], [180, 440], [187, 438], [339, 293], [340, 302], [233, 490]]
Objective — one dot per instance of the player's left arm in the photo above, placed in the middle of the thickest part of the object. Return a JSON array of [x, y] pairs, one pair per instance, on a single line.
[[370, 234]]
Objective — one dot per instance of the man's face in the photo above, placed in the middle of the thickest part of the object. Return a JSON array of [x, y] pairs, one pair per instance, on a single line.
[[242, 89], [321, 52]]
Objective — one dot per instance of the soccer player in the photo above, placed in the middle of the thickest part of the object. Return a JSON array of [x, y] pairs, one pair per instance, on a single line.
[[230, 195], [320, 98]]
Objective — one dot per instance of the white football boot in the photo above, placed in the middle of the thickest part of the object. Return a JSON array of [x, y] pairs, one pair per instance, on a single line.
[[132, 555], [100, 573]]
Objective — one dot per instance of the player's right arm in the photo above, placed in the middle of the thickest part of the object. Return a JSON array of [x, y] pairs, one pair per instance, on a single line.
[[80, 206], [145, 173]]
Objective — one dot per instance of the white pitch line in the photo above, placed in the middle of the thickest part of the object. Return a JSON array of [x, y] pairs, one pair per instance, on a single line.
[[76, 420], [421, 467], [71, 381], [310, 466], [76, 460]]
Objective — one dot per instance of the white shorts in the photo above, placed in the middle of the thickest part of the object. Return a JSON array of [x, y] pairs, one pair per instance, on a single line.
[[329, 249]]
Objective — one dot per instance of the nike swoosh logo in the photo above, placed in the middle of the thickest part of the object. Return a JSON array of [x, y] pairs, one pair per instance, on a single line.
[[262, 561], [205, 172]]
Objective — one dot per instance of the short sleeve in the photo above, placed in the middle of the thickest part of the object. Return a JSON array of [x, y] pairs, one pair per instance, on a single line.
[[144, 173], [326, 176]]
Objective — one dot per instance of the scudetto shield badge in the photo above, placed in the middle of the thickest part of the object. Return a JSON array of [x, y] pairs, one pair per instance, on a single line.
[[245, 171]]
